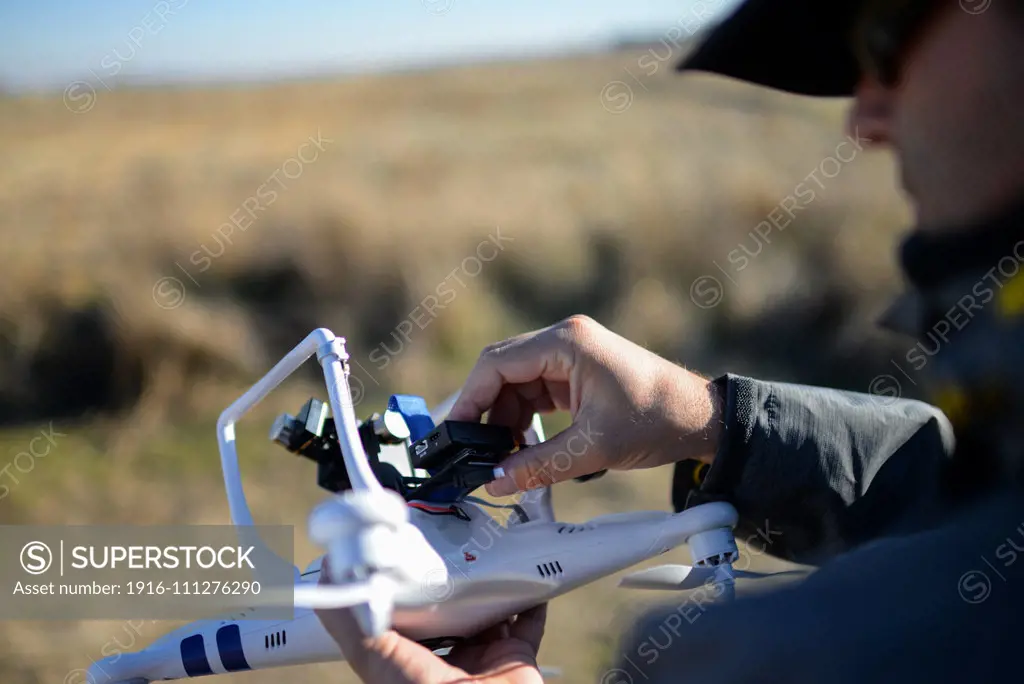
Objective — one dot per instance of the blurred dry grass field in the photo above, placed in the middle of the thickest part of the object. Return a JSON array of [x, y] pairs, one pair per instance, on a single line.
[[611, 214]]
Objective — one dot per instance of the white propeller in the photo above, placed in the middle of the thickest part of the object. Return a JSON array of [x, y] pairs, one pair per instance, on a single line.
[[319, 596], [685, 577], [372, 552], [329, 596]]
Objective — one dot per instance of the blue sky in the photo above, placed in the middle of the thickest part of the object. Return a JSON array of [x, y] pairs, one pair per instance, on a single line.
[[48, 43]]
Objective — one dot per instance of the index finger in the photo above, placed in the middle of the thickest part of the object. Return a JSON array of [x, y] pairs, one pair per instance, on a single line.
[[529, 626], [518, 360]]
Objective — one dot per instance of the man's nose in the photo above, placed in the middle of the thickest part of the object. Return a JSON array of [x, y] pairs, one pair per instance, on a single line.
[[870, 117]]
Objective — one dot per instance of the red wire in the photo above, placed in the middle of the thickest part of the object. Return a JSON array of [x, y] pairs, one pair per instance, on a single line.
[[426, 507]]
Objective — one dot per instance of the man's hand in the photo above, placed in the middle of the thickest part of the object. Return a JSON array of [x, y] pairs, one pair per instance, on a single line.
[[630, 407], [503, 654]]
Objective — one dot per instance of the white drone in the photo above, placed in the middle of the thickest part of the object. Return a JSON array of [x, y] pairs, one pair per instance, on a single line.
[[410, 553]]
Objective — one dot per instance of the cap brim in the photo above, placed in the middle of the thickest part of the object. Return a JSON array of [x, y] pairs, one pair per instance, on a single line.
[[797, 46]]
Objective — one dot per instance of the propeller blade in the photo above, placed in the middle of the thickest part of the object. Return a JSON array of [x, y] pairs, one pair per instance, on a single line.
[[370, 601], [685, 577], [747, 574], [318, 596], [332, 596], [678, 577], [380, 596]]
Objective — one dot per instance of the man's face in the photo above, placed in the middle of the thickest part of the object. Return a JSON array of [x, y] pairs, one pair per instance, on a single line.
[[955, 120]]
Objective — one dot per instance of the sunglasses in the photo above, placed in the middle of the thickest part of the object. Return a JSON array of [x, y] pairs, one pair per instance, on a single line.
[[885, 31]]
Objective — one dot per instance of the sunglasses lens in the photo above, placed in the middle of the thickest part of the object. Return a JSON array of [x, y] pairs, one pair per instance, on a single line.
[[885, 29], [881, 56]]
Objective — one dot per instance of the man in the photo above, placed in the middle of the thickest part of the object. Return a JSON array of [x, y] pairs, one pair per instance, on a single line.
[[918, 537]]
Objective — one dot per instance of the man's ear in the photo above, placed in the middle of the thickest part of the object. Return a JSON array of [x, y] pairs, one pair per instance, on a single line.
[[870, 116]]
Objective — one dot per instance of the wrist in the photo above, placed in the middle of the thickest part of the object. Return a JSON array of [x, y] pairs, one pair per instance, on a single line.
[[714, 426], [694, 408]]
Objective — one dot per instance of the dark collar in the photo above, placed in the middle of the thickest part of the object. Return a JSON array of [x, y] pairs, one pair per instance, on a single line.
[[931, 257]]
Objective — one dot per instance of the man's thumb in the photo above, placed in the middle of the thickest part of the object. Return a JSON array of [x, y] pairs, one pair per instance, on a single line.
[[571, 453]]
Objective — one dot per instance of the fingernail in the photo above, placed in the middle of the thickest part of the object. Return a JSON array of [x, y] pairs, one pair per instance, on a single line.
[[502, 486]]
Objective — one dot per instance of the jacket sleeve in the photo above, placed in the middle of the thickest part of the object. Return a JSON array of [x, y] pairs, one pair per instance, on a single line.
[[911, 608], [814, 472]]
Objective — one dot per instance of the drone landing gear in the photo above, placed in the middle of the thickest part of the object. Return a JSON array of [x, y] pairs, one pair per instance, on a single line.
[[717, 549]]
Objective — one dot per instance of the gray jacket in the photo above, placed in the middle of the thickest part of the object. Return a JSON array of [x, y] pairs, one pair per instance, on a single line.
[[917, 535]]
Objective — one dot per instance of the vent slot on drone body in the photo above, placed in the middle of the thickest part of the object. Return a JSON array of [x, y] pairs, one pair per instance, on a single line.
[[574, 529], [275, 640], [553, 569]]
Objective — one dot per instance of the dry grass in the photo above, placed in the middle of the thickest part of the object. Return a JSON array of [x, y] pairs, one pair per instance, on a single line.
[[609, 214]]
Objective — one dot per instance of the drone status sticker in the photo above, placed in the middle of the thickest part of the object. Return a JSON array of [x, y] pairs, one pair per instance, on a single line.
[[169, 572]]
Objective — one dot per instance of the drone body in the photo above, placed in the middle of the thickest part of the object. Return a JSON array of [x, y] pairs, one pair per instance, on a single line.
[[436, 571], [496, 571]]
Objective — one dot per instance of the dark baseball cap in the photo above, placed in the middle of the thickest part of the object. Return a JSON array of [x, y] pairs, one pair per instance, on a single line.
[[798, 46]]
